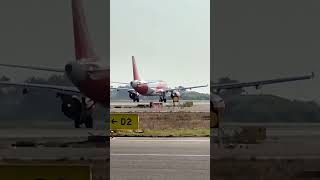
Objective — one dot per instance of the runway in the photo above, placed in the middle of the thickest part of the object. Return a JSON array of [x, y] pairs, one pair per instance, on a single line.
[[130, 158], [284, 140], [165, 158], [291, 151], [160, 158]]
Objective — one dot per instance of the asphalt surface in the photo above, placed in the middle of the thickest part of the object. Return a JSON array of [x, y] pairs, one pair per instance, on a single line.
[[52, 138], [131, 158], [160, 158], [284, 140]]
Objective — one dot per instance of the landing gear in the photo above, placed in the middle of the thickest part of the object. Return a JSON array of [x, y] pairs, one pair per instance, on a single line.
[[163, 99], [79, 111], [134, 96], [86, 114]]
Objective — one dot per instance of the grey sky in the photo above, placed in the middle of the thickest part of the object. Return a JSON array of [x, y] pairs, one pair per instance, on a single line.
[[169, 38], [268, 39], [39, 32]]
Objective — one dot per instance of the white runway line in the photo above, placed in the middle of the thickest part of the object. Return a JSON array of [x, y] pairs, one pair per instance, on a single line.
[[168, 155]]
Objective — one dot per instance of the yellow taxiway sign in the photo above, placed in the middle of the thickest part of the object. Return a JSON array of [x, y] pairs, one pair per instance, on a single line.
[[124, 121]]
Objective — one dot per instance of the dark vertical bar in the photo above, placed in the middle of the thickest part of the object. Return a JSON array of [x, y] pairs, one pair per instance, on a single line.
[[212, 115], [45, 118], [108, 96], [270, 129]]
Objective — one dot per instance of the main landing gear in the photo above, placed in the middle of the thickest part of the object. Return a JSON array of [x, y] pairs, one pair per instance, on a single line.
[[163, 98], [78, 110]]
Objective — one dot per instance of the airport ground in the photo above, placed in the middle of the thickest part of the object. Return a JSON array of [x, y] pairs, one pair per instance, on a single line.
[[131, 158], [129, 106], [50, 142], [160, 158], [288, 152], [167, 121], [176, 158], [291, 151], [54, 147]]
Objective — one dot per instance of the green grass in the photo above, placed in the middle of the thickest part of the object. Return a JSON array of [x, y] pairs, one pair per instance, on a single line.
[[203, 132]]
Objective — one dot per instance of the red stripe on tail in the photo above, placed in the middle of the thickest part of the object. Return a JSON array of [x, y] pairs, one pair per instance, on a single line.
[[82, 43], [135, 70]]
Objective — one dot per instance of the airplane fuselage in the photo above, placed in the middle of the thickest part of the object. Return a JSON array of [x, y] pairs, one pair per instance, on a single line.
[[91, 78], [146, 88]]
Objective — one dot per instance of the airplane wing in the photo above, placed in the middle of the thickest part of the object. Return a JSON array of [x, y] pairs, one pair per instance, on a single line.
[[58, 89], [185, 88], [258, 84], [34, 67], [122, 88], [50, 69], [146, 82], [115, 82]]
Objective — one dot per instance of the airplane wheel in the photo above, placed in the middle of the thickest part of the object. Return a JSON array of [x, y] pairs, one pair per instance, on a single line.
[[137, 100], [89, 122]]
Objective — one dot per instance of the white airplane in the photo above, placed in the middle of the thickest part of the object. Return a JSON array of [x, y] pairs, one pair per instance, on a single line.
[[151, 88]]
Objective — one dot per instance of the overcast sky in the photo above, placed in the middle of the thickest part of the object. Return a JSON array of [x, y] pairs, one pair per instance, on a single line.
[[257, 40], [169, 38]]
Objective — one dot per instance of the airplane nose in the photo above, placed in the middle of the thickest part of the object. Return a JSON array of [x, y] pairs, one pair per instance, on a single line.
[[68, 68]]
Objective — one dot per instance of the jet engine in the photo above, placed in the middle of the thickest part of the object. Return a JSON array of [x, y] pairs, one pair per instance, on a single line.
[[175, 95], [77, 109], [134, 96]]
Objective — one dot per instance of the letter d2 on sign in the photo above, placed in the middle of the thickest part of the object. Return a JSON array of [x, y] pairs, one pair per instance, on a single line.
[[124, 121]]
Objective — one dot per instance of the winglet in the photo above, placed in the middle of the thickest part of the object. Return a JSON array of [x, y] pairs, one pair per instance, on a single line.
[[82, 43], [135, 69]]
